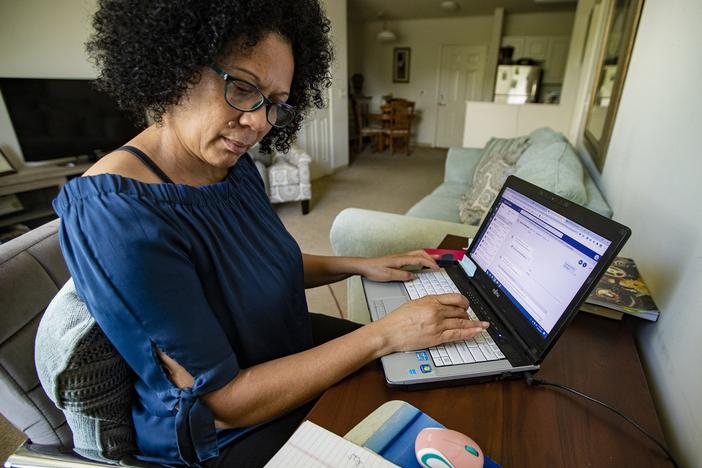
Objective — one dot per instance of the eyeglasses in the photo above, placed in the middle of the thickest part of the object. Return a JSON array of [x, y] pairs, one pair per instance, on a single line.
[[246, 97]]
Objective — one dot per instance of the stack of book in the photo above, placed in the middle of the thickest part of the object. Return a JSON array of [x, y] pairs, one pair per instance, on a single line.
[[621, 290]]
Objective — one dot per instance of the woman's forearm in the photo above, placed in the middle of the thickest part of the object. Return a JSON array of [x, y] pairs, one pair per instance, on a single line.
[[321, 270], [270, 389], [262, 392]]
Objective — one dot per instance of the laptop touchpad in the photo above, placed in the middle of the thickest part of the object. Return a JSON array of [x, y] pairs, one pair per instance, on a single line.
[[393, 303], [376, 290]]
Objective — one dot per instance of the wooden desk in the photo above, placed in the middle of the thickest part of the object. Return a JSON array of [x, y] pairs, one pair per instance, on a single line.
[[519, 426]]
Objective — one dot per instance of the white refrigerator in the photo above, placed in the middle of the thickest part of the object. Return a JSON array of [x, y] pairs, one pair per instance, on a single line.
[[517, 84]]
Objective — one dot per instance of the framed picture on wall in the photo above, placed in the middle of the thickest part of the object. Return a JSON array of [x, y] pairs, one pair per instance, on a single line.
[[401, 65], [5, 165]]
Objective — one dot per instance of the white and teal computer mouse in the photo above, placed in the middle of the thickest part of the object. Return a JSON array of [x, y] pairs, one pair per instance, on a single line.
[[444, 448]]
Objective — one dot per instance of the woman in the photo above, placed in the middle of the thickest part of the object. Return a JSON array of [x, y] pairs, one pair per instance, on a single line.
[[173, 244]]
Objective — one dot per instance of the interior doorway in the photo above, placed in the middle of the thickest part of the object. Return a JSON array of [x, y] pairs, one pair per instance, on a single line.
[[460, 79]]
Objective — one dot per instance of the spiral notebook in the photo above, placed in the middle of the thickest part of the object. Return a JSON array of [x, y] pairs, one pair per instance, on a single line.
[[315, 447]]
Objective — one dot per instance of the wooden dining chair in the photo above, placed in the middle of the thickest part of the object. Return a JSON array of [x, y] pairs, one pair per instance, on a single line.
[[400, 124], [364, 127]]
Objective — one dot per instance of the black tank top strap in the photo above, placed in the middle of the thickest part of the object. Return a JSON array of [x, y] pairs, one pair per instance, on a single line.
[[148, 162]]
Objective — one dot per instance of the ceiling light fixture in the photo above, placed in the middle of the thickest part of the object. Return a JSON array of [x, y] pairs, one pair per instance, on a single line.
[[385, 35], [449, 5]]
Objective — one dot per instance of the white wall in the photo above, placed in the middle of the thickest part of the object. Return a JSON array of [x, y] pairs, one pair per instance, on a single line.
[[354, 48], [44, 38], [40, 40], [493, 52], [557, 23], [338, 95], [651, 179]]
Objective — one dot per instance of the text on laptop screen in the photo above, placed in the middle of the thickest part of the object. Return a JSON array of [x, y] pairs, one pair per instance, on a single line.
[[538, 258]]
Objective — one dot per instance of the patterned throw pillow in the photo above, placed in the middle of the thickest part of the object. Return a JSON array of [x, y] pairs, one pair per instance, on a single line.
[[498, 161], [86, 378]]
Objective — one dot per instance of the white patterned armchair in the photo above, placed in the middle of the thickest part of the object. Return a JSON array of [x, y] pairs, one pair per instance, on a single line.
[[285, 175]]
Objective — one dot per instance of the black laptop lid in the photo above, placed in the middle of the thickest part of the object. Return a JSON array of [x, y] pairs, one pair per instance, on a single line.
[[537, 256]]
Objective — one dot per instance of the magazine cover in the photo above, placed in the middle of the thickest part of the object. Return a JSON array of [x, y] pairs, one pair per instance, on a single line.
[[622, 288]]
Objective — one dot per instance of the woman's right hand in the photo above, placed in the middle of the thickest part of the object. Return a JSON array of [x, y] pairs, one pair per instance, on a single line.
[[428, 321]]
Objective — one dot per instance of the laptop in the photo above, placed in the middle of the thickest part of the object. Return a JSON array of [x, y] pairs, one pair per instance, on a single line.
[[532, 263]]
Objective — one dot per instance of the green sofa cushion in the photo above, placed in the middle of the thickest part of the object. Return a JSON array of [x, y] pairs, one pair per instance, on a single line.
[[553, 166], [450, 189], [436, 207], [545, 135], [460, 165]]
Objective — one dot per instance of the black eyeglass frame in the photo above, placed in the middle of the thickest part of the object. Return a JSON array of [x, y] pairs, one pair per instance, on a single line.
[[264, 99]]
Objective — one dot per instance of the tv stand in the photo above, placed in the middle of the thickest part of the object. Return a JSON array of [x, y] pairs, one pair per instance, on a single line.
[[36, 187]]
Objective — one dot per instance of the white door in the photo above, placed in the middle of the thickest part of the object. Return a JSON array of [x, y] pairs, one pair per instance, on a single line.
[[460, 80]]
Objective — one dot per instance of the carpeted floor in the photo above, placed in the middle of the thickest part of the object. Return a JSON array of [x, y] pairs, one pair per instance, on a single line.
[[10, 439], [373, 181]]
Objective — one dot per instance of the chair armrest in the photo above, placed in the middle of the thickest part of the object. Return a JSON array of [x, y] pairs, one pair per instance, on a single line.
[[461, 164], [303, 166], [366, 233], [296, 157]]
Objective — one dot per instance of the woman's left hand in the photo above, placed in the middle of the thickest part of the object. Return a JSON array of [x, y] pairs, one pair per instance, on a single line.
[[389, 267]]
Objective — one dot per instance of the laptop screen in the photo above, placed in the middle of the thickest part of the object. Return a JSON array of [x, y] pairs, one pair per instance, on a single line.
[[536, 257]]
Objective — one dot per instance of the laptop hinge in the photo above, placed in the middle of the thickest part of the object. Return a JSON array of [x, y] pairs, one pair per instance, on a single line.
[[530, 352]]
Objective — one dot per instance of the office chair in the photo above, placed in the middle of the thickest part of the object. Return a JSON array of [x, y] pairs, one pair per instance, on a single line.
[[32, 271]]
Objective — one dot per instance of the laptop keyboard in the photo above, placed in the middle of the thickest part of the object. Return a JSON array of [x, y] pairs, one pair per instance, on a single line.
[[480, 348], [430, 282]]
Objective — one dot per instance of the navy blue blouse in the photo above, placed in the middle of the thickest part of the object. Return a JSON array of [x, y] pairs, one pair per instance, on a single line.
[[209, 275]]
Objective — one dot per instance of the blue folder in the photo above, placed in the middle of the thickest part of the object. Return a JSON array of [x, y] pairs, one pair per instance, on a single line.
[[394, 440]]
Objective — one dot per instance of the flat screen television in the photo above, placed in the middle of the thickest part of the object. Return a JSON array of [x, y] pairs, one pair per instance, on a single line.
[[62, 118]]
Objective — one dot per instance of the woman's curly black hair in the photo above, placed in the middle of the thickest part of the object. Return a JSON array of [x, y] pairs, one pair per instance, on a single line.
[[149, 52]]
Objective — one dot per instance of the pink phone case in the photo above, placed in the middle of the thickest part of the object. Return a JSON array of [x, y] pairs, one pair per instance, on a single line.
[[443, 254]]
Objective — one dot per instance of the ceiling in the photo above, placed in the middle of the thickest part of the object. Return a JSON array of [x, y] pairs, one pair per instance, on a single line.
[[368, 10]]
